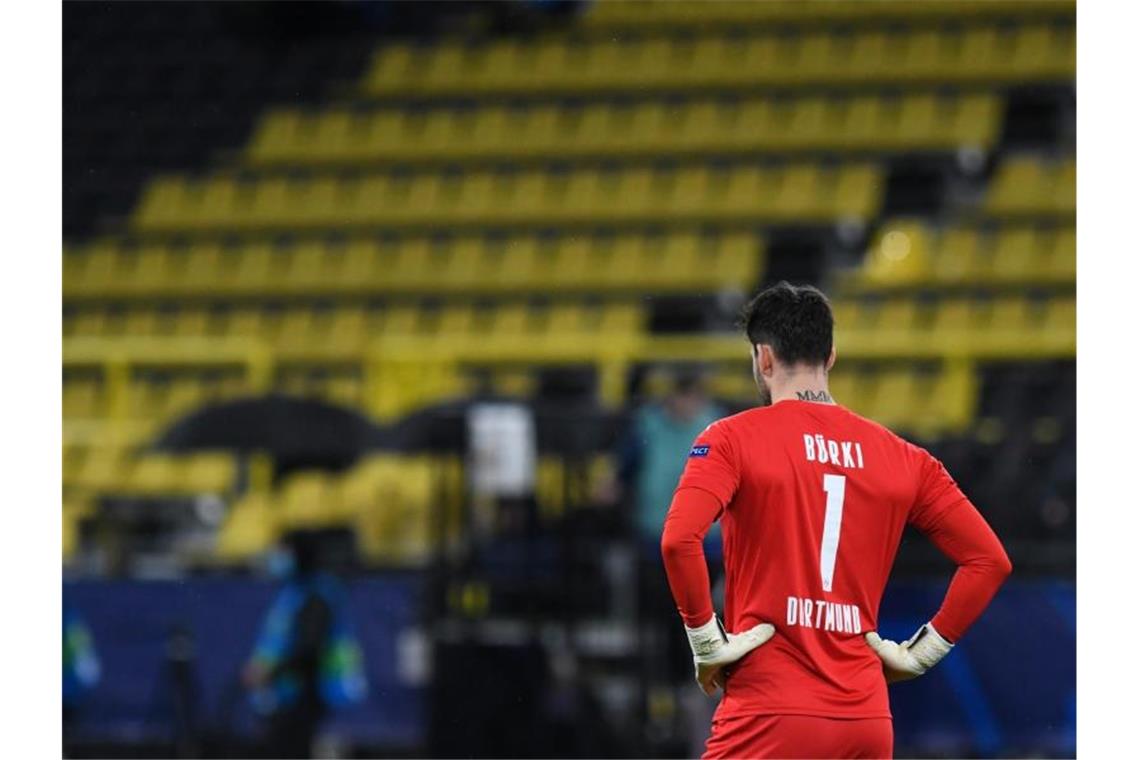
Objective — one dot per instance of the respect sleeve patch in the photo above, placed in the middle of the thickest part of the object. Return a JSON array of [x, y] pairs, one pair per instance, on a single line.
[[700, 450]]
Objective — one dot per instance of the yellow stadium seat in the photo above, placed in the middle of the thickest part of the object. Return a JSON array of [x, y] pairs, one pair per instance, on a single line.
[[182, 394], [962, 257], [1016, 256], [148, 273], [897, 324], [1008, 322], [209, 472], [894, 398], [154, 474], [843, 387], [953, 323], [1061, 316], [190, 321], [345, 390], [309, 499], [83, 397], [75, 510], [294, 329], [393, 520], [1060, 259], [899, 255], [103, 470], [72, 465], [848, 316], [250, 529], [1030, 186]]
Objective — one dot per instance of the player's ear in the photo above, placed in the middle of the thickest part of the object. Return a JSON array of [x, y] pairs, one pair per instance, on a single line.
[[767, 360], [831, 359]]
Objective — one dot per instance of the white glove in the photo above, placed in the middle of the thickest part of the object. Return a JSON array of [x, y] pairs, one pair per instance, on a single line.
[[713, 649], [902, 662]]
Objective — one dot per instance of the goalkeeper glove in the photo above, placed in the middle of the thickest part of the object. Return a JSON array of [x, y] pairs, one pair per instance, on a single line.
[[912, 658], [713, 649]]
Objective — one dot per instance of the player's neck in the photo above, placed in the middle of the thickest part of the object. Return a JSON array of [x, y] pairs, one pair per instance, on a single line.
[[801, 385]]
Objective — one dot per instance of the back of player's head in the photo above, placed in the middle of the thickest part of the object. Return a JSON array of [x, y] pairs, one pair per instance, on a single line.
[[796, 321]]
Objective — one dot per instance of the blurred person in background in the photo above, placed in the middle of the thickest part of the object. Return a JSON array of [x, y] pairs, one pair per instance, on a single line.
[[306, 661], [81, 668], [648, 462]]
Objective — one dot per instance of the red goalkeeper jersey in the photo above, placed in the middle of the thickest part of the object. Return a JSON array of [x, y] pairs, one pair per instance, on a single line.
[[813, 500]]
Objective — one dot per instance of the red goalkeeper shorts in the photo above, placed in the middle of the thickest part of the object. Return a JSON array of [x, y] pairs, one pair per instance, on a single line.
[[799, 736]]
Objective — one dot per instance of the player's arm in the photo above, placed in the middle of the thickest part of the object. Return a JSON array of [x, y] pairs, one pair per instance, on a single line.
[[691, 514], [944, 514], [708, 483]]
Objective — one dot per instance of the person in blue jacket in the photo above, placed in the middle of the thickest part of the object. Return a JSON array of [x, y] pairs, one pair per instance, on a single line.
[[81, 669], [307, 660]]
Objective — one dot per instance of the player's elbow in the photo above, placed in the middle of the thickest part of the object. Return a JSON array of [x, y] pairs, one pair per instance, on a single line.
[[677, 543], [1003, 567], [672, 544], [999, 565]]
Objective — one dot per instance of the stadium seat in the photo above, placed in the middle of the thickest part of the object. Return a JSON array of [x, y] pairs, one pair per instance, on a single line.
[[249, 529], [394, 510], [181, 475], [1030, 186], [899, 255], [309, 500]]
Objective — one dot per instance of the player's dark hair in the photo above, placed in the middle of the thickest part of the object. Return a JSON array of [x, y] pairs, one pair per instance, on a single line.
[[796, 321]]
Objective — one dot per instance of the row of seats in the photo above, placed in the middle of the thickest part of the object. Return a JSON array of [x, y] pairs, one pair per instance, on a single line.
[[989, 52], [628, 262], [1031, 186], [1008, 325], [87, 394], [387, 499], [158, 397], [608, 15], [352, 328], [96, 413], [111, 471], [922, 121], [908, 253], [357, 325], [900, 326], [398, 506], [802, 192]]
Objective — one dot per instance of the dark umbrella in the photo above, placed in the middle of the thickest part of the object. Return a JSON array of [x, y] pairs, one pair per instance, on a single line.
[[299, 431]]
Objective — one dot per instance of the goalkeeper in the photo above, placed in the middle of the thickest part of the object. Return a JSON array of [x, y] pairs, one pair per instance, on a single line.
[[812, 501]]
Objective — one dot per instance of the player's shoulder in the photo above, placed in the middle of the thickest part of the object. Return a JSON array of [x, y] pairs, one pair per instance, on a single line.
[[728, 426], [884, 433], [744, 425], [873, 426], [733, 422]]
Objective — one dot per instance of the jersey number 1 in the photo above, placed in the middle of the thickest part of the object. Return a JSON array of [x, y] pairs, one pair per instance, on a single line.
[[834, 486]]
